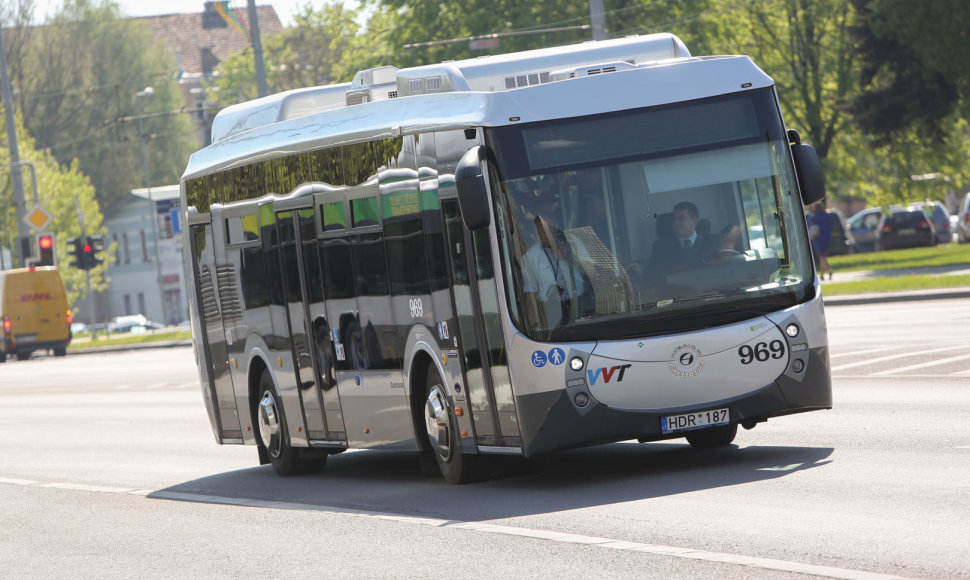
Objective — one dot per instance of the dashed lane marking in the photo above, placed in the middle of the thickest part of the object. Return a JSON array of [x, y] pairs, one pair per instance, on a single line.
[[932, 363], [482, 527], [895, 356]]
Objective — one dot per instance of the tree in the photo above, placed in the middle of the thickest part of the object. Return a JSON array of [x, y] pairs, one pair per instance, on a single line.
[[57, 187], [75, 80], [303, 55], [914, 58]]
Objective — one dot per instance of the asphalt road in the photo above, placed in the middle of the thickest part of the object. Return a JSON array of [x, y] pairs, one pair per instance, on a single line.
[[109, 470]]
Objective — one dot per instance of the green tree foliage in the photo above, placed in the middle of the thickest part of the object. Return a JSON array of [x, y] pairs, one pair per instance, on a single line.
[[303, 55], [914, 56], [75, 80], [57, 186]]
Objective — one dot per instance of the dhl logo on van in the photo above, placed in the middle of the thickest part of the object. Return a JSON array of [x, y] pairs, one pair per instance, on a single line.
[[36, 297]]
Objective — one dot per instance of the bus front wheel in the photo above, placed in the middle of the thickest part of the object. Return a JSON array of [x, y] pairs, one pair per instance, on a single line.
[[712, 437], [442, 430], [285, 459]]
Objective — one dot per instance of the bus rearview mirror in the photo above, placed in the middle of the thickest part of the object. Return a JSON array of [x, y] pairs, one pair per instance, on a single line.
[[809, 170], [470, 183]]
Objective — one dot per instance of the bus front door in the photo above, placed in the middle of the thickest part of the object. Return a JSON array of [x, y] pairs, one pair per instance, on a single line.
[[219, 397], [483, 353], [313, 351]]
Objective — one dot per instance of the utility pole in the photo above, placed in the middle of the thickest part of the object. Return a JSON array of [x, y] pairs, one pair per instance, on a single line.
[[18, 179], [597, 19], [261, 87]]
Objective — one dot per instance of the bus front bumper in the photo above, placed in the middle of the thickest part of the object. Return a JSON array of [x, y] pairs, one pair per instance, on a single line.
[[552, 420]]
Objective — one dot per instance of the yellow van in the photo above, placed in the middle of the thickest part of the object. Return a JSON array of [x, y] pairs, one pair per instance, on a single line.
[[34, 312]]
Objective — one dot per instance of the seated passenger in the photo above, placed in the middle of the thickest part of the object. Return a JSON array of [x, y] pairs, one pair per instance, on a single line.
[[551, 279]]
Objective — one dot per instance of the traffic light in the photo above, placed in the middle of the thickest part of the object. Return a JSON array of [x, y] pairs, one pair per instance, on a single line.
[[74, 251], [45, 250], [97, 247]]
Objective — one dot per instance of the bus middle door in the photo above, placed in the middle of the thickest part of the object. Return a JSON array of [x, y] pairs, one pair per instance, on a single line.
[[302, 290]]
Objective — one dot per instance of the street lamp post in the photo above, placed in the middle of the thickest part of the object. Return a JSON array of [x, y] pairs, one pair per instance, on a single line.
[[152, 211]]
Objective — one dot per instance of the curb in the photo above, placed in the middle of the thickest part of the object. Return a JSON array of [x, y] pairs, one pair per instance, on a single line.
[[883, 297], [137, 346]]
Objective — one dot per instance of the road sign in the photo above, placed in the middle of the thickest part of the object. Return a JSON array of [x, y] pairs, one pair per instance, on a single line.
[[38, 218]]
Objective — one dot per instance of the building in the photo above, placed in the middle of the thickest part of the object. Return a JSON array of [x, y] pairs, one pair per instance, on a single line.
[[144, 277], [200, 41]]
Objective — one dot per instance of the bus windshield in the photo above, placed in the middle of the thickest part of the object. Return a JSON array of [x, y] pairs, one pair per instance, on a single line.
[[649, 221]]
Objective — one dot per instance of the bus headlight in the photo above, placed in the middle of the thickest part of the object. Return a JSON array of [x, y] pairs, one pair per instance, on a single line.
[[792, 330], [576, 363]]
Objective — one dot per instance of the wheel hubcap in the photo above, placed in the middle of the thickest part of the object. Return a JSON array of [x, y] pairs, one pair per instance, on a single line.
[[269, 426], [437, 424]]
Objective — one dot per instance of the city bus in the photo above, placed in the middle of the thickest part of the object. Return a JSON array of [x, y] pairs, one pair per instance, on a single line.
[[367, 272]]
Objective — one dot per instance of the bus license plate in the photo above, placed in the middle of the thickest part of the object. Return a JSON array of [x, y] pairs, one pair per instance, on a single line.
[[688, 421]]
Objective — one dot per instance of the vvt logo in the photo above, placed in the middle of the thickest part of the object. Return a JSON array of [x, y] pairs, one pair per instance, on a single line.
[[607, 373]]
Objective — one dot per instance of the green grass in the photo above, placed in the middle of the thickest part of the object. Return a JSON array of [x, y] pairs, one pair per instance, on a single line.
[[942, 255], [894, 284], [83, 342]]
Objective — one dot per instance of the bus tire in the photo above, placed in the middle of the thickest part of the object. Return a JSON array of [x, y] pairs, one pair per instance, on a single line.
[[442, 430], [713, 437], [284, 458]]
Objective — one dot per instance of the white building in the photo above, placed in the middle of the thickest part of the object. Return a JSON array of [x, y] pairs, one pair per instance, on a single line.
[[144, 277]]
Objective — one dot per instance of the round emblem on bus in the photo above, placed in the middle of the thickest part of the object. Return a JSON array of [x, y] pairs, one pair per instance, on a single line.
[[685, 361]]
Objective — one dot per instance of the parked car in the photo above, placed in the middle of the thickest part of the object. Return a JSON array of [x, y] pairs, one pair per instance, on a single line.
[[864, 229], [904, 228], [963, 220], [132, 323], [936, 212]]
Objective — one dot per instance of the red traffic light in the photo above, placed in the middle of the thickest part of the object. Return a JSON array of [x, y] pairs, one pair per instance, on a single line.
[[45, 242], [87, 248]]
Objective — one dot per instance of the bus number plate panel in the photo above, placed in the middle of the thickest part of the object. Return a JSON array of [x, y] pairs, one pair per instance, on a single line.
[[688, 421]]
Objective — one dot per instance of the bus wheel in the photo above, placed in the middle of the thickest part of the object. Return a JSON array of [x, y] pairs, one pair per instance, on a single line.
[[713, 437], [285, 459], [442, 429]]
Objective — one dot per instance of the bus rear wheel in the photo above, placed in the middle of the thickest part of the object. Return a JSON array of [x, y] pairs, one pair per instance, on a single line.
[[442, 430], [285, 459], [712, 437]]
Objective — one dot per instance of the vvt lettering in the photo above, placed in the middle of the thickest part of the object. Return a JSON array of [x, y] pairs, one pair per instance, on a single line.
[[594, 374]]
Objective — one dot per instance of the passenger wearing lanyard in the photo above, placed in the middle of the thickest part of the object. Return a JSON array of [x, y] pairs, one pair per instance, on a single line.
[[550, 278]]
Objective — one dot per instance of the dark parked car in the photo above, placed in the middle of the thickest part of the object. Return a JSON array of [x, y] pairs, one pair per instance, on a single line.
[[936, 213], [905, 229]]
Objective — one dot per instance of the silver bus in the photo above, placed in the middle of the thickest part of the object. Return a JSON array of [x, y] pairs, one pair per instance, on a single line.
[[484, 257]]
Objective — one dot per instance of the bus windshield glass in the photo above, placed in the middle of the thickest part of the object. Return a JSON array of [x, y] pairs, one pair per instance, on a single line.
[[649, 221]]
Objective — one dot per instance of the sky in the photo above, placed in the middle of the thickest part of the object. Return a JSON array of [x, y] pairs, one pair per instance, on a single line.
[[285, 9]]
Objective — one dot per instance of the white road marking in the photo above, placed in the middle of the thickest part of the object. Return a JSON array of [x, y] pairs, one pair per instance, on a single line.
[[931, 363], [608, 543], [857, 352], [896, 356]]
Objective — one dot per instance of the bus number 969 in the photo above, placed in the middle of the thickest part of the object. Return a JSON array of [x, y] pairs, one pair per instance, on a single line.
[[761, 351]]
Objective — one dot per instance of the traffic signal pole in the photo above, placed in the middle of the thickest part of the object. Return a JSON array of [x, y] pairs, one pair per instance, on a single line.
[[18, 179], [87, 271]]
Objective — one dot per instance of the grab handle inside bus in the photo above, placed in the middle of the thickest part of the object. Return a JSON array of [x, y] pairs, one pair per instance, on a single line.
[[470, 183], [808, 168]]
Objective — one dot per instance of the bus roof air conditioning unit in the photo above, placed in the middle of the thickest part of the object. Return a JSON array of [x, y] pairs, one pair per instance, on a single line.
[[374, 84], [279, 107], [588, 71]]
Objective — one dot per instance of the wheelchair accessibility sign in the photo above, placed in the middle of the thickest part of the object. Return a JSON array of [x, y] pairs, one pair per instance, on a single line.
[[555, 356]]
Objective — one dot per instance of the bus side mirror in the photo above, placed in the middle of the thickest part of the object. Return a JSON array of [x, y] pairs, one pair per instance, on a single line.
[[470, 183], [809, 171]]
